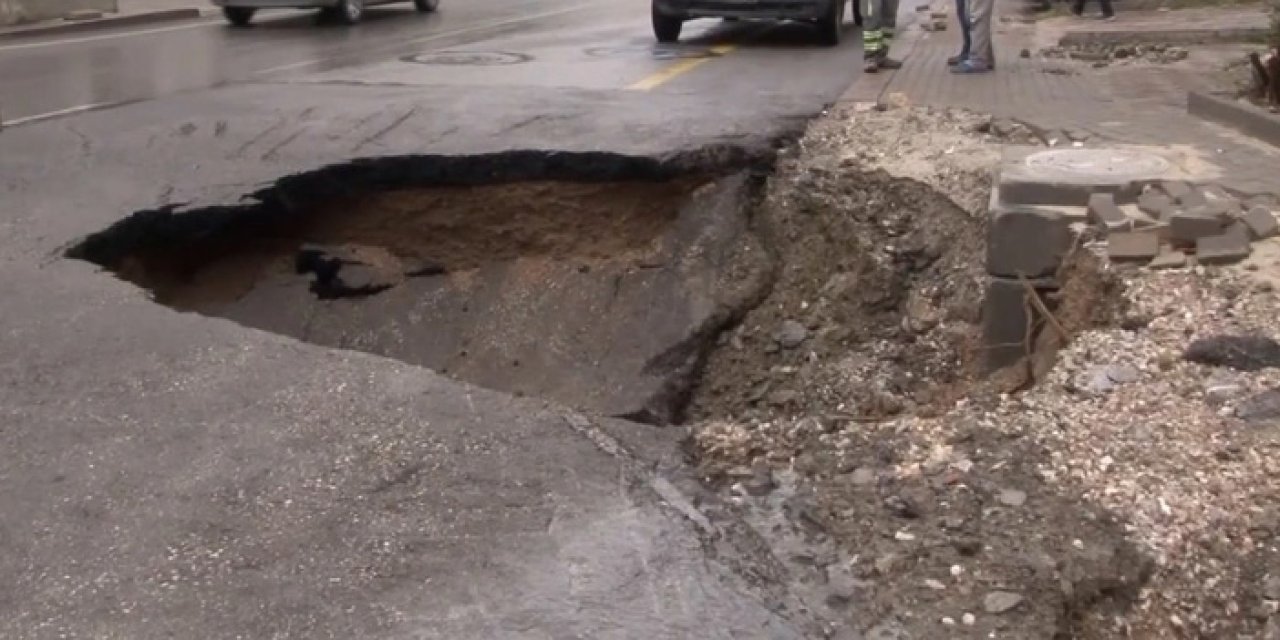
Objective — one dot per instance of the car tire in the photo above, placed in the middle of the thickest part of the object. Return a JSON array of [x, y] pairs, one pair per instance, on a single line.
[[349, 11], [239, 16], [666, 28], [426, 6], [831, 26]]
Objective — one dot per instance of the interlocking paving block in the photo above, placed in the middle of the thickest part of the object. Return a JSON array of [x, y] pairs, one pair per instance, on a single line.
[[1187, 226], [1168, 258], [1230, 246], [1104, 213], [1133, 246], [1260, 222], [1156, 204]]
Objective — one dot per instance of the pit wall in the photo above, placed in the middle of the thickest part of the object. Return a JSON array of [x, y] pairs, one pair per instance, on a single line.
[[20, 11]]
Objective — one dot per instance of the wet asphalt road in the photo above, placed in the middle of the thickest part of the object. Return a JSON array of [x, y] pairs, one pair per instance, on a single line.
[[170, 475], [598, 45]]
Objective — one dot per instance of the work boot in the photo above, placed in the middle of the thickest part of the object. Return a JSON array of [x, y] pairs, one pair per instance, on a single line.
[[871, 65], [955, 60], [971, 66], [886, 62]]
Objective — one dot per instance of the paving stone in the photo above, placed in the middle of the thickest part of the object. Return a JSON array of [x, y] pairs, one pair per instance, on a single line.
[[1104, 213], [1026, 242], [1160, 229], [1260, 222], [1225, 248], [1157, 205], [1192, 198], [1225, 210], [1168, 258], [1187, 227], [1175, 189], [1133, 246]]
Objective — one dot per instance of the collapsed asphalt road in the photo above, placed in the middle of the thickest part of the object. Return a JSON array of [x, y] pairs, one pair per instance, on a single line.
[[172, 474]]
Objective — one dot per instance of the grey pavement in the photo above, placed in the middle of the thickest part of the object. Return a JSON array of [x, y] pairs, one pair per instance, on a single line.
[[1139, 104], [173, 475]]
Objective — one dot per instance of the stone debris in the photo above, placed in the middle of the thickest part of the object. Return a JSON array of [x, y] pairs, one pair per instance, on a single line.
[[349, 271], [1177, 224], [1133, 246], [791, 334], [1104, 213], [1261, 223], [1227, 247], [1154, 510], [1263, 407], [1239, 352], [1104, 54], [998, 602]]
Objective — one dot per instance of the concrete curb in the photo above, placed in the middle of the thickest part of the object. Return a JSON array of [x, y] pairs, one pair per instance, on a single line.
[[150, 17], [1168, 36], [1246, 118]]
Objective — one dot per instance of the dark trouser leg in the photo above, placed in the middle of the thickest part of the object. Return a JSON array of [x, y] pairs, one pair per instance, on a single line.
[[1107, 11], [966, 36], [1077, 7]]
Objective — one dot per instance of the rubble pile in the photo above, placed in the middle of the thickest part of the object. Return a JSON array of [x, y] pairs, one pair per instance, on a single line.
[[1174, 224]]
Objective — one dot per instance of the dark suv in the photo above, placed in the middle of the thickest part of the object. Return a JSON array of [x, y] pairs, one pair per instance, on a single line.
[[669, 16]]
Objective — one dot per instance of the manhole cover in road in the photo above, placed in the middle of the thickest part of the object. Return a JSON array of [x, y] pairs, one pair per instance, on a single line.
[[468, 58], [1114, 163], [648, 51]]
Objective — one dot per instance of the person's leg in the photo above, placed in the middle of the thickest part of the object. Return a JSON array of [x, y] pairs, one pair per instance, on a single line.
[[1077, 7], [872, 38], [981, 52], [1107, 10], [889, 18], [962, 18]]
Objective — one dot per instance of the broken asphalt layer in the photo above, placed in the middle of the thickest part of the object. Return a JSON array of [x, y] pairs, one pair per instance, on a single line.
[[175, 475]]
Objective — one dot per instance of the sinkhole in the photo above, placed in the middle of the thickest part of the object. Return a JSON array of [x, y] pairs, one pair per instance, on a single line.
[[593, 279]]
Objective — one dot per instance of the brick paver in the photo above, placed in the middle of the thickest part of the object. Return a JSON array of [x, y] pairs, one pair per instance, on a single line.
[[1138, 104]]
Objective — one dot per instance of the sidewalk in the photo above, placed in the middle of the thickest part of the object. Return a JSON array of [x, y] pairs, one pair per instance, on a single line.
[[129, 12], [1137, 103]]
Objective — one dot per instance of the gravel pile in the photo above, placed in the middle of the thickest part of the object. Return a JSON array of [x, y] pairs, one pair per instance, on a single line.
[[1102, 54], [1131, 493]]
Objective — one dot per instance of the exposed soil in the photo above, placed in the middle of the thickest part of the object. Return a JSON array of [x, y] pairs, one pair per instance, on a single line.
[[595, 280], [844, 416], [458, 228], [884, 277]]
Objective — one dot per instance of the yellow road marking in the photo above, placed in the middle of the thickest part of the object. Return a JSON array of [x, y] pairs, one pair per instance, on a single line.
[[682, 67]]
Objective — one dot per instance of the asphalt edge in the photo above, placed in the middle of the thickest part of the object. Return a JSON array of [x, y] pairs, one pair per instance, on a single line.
[[149, 17]]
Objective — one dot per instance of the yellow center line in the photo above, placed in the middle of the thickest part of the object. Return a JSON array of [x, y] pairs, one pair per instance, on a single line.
[[682, 67]]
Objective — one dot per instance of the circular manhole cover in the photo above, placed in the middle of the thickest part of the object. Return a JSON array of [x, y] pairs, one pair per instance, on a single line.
[[648, 51], [1118, 163], [469, 58]]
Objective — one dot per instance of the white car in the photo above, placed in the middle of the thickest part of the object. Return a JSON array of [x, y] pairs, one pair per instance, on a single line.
[[240, 12]]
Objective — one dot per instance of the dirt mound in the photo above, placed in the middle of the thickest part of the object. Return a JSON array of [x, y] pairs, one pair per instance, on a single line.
[[873, 310], [845, 418]]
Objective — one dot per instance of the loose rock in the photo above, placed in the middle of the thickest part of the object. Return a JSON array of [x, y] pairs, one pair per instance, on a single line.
[[1240, 352], [998, 602], [1012, 497], [791, 335], [1264, 407]]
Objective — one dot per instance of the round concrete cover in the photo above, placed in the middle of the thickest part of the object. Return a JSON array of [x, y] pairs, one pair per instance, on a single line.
[[1104, 163]]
